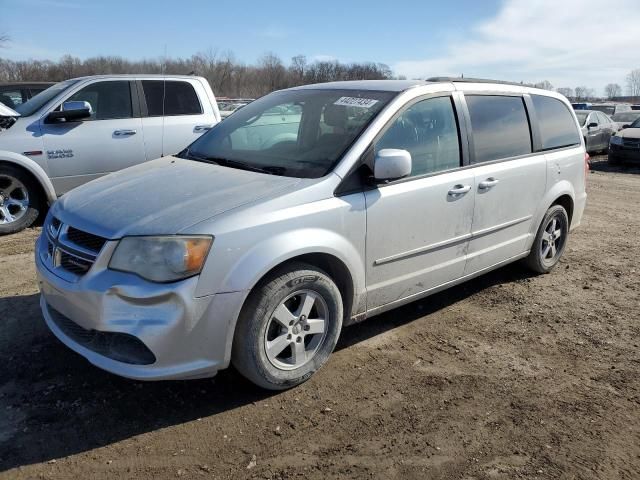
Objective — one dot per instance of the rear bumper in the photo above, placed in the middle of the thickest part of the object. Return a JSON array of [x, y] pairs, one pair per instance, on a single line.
[[112, 319], [580, 203]]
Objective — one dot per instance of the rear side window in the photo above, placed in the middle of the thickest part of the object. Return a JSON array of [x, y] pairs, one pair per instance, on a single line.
[[170, 98], [500, 127], [557, 127]]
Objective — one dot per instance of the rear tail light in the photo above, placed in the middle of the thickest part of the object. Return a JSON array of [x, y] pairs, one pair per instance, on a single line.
[[586, 166]]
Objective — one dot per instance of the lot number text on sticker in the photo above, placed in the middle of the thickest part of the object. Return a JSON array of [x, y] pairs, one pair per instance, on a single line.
[[356, 102]]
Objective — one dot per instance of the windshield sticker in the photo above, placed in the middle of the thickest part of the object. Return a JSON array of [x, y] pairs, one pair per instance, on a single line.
[[356, 102]]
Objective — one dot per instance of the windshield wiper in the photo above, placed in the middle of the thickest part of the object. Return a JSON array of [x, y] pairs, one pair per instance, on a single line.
[[225, 162]]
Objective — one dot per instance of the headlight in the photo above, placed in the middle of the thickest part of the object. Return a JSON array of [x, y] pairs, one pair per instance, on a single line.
[[616, 140], [161, 259]]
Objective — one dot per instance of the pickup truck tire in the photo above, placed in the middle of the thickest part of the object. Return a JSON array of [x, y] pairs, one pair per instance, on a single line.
[[288, 327], [20, 201], [550, 240]]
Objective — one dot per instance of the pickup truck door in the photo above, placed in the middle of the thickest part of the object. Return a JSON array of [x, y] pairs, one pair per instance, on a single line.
[[110, 140], [175, 114]]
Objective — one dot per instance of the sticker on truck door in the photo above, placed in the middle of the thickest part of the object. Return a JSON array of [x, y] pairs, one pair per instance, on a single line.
[[356, 102]]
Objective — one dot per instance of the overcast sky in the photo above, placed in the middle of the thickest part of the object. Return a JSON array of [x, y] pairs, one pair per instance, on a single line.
[[568, 42]]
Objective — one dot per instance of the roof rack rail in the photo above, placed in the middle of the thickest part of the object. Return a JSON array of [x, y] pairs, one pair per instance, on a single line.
[[473, 80]]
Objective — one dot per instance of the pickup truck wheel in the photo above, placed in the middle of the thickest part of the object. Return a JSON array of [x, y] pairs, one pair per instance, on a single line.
[[288, 327], [19, 200], [550, 240]]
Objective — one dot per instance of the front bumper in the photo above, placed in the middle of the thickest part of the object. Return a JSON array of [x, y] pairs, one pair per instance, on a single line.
[[188, 336], [622, 152]]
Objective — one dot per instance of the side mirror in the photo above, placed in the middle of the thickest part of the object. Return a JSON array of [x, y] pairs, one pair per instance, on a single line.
[[592, 125], [71, 112], [391, 164], [627, 125]]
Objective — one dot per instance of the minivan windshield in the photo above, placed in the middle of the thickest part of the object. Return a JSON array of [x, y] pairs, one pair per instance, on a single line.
[[40, 100], [296, 133]]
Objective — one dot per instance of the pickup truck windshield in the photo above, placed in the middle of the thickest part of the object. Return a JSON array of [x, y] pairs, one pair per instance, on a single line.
[[40, 100], [296, 133]]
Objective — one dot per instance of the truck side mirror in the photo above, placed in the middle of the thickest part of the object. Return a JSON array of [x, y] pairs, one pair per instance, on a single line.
[[71, 112]]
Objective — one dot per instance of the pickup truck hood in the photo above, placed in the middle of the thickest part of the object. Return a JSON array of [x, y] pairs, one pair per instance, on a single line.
[[163, 196], [7, 112]]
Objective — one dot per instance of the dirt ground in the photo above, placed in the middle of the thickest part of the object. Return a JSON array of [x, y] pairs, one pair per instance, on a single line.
[[509, 376]]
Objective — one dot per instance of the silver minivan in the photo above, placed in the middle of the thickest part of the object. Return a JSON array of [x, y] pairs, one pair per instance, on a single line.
[[307, 210]]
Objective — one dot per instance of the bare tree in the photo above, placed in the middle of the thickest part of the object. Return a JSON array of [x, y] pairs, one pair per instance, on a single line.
[[566, 91], [3, 39], [633, 83], [227, 76], [545, 84], [612, 90]]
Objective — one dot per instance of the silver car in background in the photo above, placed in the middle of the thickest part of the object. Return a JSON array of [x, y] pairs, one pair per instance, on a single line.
[[261, 240]]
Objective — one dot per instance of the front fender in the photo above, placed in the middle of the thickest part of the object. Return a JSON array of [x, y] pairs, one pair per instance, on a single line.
[[278, 249], [32, 167]]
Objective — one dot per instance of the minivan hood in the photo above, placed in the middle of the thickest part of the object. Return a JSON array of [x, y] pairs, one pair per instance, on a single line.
[[163, 196]]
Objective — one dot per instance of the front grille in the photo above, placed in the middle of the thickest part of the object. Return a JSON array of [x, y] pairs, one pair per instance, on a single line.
[[72, 250], [632, 142], [74, 264], [86, 240], [121, 347]]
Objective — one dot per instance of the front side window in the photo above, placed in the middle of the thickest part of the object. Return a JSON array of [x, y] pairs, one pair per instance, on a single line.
[[299, 133], [557, 127], [108, 100], [500, 127], [593, 118], [602, 118], [170, 98], [429, 131]]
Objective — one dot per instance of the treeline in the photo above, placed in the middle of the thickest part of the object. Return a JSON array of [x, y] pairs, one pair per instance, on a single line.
[[226, 76]]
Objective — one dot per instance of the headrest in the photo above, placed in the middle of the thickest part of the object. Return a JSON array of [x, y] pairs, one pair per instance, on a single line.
[[335, 115]]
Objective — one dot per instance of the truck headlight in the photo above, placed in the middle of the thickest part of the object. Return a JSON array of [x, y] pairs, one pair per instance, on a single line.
[[616, 140], [161, 259]]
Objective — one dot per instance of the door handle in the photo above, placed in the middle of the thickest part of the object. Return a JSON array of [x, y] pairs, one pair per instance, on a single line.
[[202, 128], [124, 133], [488, 183], [459, 190]]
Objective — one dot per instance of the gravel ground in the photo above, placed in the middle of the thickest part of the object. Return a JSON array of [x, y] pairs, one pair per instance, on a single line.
[[508, 376]]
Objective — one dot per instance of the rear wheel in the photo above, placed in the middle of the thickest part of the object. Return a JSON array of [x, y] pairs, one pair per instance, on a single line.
[[288, 327], [550, 240], [19, 200]]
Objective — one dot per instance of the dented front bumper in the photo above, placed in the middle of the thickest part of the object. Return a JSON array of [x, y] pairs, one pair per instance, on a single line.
[[116, 319]]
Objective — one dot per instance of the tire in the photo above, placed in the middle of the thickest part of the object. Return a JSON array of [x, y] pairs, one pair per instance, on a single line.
[[20, 201], [273, 320], [546, 251]]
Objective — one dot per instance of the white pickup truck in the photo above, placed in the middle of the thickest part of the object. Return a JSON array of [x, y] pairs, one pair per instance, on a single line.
[[83, 128]]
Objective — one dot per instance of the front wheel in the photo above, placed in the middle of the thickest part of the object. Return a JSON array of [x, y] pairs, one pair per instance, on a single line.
[[19, 200], [288, 327], [550, 240]]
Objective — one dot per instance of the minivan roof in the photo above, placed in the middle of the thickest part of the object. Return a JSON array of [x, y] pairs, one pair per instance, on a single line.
[[402, 85]]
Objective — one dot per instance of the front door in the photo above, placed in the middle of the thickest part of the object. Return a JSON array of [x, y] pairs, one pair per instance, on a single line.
[[418, 227], [110, 140]]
